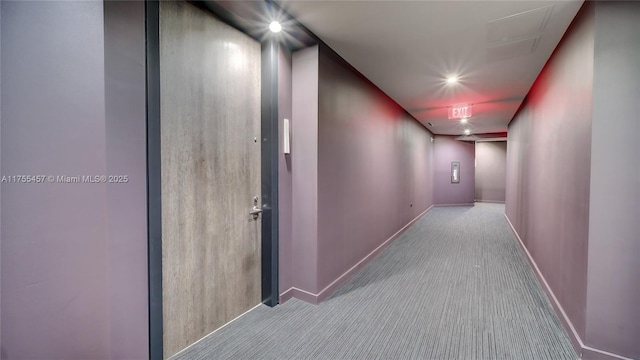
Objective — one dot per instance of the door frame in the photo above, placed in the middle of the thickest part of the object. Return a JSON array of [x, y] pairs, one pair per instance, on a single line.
[[270, 48]]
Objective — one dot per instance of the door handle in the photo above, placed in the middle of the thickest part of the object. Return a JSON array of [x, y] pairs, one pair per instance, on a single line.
[[255, 211]]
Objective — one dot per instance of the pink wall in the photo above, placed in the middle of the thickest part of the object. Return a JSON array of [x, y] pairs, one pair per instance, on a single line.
[[373, 168], [448, 149], [74, 277], [573, 187], [125, 118], [361, 170], [548, 168], [613, 294], [491, 163], [304, 164], [285, 204], [54, 236]]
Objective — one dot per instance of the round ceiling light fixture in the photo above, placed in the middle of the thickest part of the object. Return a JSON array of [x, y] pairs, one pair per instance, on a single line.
[[275, 27], [467, 132], [464, 120], [452, 80]]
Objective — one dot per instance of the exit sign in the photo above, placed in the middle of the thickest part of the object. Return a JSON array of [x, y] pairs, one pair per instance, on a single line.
[[460, 111]]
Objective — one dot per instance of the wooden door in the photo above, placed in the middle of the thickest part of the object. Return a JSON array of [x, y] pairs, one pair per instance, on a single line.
[[210, 131]]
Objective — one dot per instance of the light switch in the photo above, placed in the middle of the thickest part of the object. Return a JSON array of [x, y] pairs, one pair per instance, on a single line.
[[286, 137]]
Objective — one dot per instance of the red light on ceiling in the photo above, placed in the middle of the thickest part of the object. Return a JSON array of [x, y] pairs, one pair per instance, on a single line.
[[460, 112]]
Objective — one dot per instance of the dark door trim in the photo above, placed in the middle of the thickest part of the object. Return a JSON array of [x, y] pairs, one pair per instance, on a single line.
[[269, 168], [269, 89], [154, 193]]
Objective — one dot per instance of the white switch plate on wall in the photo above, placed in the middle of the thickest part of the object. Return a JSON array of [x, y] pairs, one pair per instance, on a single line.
[[286, 138]]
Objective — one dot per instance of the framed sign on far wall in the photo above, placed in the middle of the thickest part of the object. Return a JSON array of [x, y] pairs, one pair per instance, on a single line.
[[455, 172]]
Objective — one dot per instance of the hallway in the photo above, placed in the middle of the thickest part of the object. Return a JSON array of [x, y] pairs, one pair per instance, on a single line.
[[168, 166], [455, 285]]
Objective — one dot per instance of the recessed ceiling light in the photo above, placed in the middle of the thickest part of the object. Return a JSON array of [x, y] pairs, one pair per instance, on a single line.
[[464, 120], [452, 79], [467, 131], [275, 27]]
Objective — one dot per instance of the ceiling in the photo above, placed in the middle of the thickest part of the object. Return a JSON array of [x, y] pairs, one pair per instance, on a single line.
[[409, 48]]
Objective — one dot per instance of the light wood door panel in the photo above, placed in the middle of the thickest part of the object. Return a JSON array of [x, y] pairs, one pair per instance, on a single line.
[[210, 115]]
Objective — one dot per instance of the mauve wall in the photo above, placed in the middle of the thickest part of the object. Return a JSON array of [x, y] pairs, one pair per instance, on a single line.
[[373, 168], [448, 149], [54, 236], [125, 106], [73, 255], [548, 168], [613, 295], [304, 178], [491, 177], [284, 175]]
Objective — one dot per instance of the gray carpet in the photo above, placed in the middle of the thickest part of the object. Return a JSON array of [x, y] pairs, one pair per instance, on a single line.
[[455, 285]]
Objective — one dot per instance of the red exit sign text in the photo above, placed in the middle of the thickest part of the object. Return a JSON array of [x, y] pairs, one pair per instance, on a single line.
[[460, 111]]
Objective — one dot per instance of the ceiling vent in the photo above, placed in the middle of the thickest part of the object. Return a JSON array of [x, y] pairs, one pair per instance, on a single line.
[[516, 35], [520, 26]]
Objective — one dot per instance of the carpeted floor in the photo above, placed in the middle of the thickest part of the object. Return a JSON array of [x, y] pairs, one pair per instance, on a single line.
[[455, 285]]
